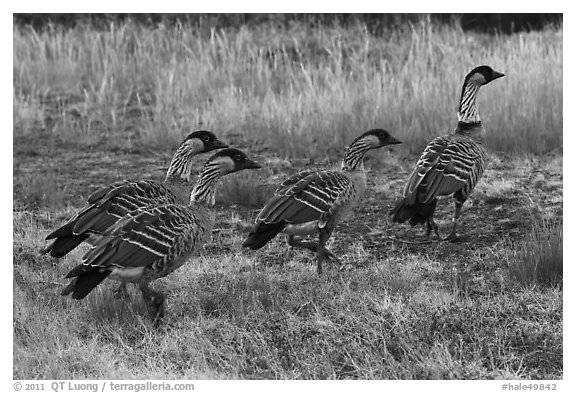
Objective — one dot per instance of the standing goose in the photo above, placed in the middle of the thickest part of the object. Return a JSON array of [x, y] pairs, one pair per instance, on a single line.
[[108, 204], [450, 164], [150, 243], [314, 201]]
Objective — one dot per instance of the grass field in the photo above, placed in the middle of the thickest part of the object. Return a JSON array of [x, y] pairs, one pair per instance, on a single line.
[[91, 107]]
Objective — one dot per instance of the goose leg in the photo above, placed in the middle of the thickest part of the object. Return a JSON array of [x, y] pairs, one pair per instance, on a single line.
[[121, 292], [293, 242], [155, 303], [323, 252], [432, 226], [317, 247], [452, 237]]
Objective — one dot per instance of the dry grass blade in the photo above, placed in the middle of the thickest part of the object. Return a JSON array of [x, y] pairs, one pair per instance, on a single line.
[[538, 259]]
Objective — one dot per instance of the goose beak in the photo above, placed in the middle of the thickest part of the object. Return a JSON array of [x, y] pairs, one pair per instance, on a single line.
[[393, 141], [218, 144], [249, 164], [497, 75]]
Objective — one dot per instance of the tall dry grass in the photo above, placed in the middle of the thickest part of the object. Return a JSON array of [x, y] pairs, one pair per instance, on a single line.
[[304, 91], [538, 259]]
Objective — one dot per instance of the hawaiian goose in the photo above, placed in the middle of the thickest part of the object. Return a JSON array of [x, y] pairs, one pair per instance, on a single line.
[[450, 164], [315, 200], [108, 204], [150, 243]]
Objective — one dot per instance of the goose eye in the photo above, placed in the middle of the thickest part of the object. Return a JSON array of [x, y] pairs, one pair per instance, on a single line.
[[237, 157], [205, 138]]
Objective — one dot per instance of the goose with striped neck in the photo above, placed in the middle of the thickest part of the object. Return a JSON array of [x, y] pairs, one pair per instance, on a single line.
[[314, 201], [451, 164], [150, 243], [110, 203]]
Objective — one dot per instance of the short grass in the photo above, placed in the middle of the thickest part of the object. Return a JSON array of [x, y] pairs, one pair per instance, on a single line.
[[231, 320]]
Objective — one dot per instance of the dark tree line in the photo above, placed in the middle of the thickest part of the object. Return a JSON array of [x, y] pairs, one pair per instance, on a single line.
[[376, 23]]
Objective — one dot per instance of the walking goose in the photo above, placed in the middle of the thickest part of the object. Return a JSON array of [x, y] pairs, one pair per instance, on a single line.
[[314, 201], [108, 204], [151, 242], [450, 164]]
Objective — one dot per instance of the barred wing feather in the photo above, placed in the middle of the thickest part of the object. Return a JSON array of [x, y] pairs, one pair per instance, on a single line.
[[108, 204], [121, 200], [306, 196], [145, 236], [446, 166], [290, 181]]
